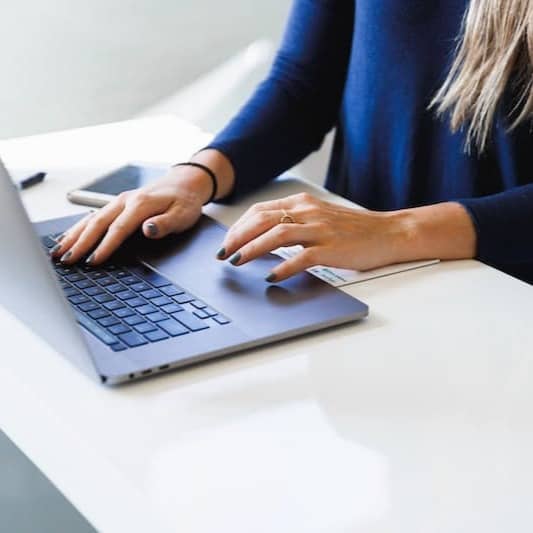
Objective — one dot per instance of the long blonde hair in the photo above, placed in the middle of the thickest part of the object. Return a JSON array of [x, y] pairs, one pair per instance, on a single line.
[[494, 52]]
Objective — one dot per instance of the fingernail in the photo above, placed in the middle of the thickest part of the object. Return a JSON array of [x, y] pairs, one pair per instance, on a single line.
[[59, 238], [152, 229], [55, 249], [221, 253], [66, 256], [270, 278], [90, 259], [235, 258]]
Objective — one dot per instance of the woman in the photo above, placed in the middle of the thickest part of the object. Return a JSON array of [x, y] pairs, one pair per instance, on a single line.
[[431, 101]]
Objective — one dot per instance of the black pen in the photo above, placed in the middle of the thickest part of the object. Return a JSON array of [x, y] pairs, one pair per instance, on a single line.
[[26, 183]]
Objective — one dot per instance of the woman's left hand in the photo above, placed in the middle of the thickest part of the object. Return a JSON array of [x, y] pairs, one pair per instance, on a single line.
[[331, 235]]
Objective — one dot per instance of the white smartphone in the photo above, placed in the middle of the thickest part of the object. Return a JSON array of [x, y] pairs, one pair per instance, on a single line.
[[102, 190]]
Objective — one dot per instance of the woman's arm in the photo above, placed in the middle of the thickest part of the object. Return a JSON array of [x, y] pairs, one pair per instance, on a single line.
[[504, 225], [342, 237], [295, 107]]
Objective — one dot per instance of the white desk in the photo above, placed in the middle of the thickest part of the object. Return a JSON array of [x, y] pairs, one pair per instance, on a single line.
[[415, 420]]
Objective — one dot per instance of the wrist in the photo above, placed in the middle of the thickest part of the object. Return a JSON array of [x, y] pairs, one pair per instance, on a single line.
[[440, 231], [194, 182]]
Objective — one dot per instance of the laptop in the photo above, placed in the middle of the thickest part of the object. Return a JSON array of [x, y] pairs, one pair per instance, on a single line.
[[155, 305]]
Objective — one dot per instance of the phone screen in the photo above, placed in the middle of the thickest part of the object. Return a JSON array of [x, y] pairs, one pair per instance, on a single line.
[[125, 179]]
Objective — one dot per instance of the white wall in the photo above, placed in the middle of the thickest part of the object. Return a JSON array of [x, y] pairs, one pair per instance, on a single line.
[[68, 63]]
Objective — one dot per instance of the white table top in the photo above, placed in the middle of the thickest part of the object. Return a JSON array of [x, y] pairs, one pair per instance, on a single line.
[[415, 420]]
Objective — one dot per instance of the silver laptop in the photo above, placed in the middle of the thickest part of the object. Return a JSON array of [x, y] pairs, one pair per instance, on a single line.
[[156, 305]]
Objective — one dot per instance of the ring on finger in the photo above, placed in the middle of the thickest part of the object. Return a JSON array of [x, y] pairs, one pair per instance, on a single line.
[[286, 218]]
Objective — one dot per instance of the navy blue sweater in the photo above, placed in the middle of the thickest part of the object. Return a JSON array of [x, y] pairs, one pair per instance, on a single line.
[[370, 69]]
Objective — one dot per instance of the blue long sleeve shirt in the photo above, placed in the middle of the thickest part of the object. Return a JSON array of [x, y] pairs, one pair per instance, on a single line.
[[370, 69]]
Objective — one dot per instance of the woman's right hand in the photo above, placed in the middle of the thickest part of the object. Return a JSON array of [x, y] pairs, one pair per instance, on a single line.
[[170, 205]]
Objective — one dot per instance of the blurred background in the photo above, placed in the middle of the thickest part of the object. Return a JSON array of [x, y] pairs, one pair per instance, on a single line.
[[68, 63]]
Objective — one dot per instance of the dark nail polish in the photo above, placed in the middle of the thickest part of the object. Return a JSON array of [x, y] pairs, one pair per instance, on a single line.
[[55, 249], [221, 253], [90, 259], [235, 258], [270, 278], [66, 256], [152, 229]]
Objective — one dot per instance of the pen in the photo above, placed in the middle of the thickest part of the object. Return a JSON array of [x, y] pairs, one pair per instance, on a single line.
[[26, 183]]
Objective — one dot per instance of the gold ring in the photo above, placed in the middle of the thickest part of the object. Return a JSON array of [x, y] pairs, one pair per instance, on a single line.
[[286, 218]]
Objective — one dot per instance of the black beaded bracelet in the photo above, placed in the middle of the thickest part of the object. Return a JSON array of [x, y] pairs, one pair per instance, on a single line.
[[208, 171]]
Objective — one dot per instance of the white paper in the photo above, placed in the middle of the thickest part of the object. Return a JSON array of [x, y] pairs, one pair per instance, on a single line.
[[338, 277]]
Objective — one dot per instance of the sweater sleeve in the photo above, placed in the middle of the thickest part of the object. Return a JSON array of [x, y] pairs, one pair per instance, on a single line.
[[504, 225], [294, 108]]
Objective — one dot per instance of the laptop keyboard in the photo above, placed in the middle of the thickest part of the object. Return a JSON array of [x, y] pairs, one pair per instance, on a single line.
[[126, 307]]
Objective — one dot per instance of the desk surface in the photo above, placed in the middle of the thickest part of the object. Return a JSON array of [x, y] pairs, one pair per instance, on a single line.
[[415, 420]]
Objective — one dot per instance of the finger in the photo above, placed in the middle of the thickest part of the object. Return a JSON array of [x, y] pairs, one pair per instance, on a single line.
[[307, 258], [174, 220], [69, 237], [280, 235], [93, 231], [238, 236], [271, 205], [118, 231]]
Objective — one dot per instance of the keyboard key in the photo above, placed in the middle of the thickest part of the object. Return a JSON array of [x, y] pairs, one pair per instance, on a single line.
[[129, 280], [78, 299], [146, 309], [155, 279], [95, 329], [93, 291], [161, 300], [210, 311], [98, 313], [145, 327], [115, 287], [105, 281], [172, 308], [198, 304], [137, 302], [157, 317], [184, 298], [118, 329], [124, 312], [102, 298], [190, 321], [74, 277], [155, 336], [121, 274], [133, 320], [108, 321], [84, 284], [133, 339], [172, 327], [89, 306], [118, 347], [139, 286], [221, 319], [71, 291], [48, 241], [110, 267], [151, 293], [125, 295], [97, 274], [171, 290], [113, 305], [200, 313]]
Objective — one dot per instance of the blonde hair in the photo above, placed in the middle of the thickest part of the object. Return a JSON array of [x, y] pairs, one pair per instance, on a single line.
[[494, 52]]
